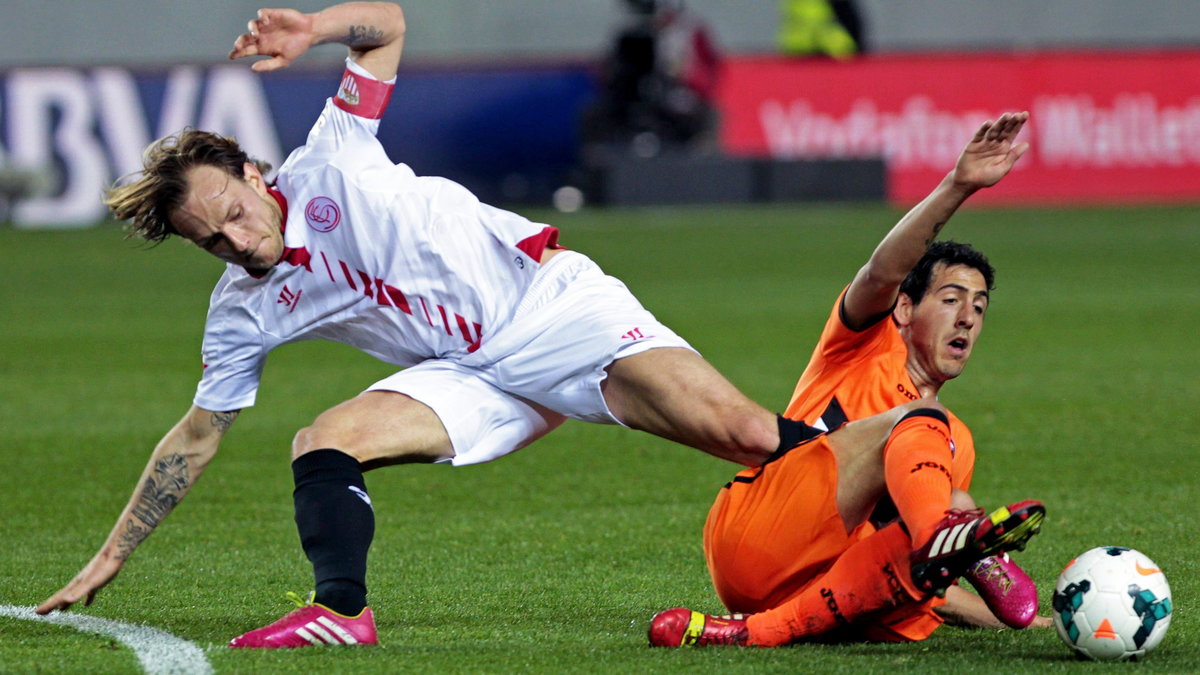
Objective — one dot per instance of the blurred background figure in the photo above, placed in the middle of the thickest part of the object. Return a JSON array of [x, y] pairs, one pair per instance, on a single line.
[[820, 28], [658, 82]]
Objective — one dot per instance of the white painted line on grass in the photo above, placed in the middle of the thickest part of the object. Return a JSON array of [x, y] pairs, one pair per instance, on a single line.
[[158, 651]]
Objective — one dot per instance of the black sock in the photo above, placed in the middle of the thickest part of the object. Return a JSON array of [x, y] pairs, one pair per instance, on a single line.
[[792, 433], [336, 524]]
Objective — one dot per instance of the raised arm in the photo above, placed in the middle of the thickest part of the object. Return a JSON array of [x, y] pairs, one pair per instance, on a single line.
[[174, 466], [987, 158], [374, 32]]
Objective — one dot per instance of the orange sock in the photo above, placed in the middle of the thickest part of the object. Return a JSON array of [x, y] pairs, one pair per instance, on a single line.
[[871, 575], [916, 465]]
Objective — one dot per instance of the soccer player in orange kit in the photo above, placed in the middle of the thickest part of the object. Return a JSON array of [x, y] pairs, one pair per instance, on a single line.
[[773, 534]]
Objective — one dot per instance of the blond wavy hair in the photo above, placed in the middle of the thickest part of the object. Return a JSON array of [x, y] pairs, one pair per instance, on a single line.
[[147, 198]]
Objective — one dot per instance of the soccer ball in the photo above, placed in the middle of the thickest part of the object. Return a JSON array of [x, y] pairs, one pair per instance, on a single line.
[[1112, 604]]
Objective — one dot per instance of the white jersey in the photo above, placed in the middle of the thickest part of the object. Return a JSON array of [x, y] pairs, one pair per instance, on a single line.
[[405, 268]]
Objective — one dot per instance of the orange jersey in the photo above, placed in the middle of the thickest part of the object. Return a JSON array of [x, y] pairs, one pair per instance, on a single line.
[[856, 374]]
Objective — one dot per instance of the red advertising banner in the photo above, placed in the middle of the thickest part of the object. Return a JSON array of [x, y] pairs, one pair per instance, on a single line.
[[1105, 127]]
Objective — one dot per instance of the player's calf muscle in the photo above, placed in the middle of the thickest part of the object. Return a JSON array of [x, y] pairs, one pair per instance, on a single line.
[[748, 432]]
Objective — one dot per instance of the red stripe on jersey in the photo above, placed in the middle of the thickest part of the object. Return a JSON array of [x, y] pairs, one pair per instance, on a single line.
[[349, 277], [463, 327], [425, 308], [398, 298], [537, 244], [478, 338], [380, 296], [367, 290], [466, 333], [328, 268], [363, 96], [299, 257]]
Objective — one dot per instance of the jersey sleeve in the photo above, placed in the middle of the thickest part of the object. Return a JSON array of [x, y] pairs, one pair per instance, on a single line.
[[234, 355], [347, 125], [839, 342], [847, 372], [351, 118], [361, 95]]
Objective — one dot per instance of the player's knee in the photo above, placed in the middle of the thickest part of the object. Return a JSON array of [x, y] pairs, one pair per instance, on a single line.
[[961, 499], [358, 438], [927, 407], [919, 417], [318, 437], [302, 443]]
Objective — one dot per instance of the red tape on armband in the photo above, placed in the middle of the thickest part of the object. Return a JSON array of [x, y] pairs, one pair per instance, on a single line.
[[363, 96]]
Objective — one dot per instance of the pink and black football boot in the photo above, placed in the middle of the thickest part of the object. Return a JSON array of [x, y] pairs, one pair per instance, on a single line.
[[1006, 589], [963, 538], [312, 625]]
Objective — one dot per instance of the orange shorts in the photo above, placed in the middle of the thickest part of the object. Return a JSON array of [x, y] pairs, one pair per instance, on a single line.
[[773, 529]]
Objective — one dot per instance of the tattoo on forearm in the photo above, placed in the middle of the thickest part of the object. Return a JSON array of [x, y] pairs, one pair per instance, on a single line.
[[222, 420], [937, 229], [360, 36], [130, 538], [161, 491]]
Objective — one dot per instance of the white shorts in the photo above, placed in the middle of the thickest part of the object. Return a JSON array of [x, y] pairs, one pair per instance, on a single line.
[[545, 366]]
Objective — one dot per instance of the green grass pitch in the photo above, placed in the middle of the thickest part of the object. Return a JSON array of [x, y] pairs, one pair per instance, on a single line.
[[1083, 393]]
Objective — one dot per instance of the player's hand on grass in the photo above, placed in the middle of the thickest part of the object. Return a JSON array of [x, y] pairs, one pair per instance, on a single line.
[[991, 153], [99, 572], [282, 34]]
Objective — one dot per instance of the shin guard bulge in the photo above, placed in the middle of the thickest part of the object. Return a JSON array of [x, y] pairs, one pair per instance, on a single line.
[[872, 575], [916, 461]]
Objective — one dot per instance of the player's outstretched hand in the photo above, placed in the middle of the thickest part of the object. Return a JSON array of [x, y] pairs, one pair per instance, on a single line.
[[992, 153], [282, 34], [98, 573]]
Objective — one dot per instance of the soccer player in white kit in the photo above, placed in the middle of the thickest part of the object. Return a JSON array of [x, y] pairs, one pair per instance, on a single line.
[[502, 334]]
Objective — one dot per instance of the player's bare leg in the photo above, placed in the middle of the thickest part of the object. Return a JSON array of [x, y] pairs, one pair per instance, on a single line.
[[378, 428], [334, 514], [676, 394], [858, 450]]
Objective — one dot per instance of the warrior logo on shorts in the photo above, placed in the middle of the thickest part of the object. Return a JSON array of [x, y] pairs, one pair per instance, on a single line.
[[322, 214]]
